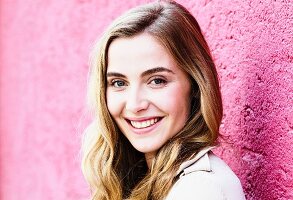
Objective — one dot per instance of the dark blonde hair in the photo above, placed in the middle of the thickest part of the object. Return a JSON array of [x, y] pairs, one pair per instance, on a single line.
[[112, 167]]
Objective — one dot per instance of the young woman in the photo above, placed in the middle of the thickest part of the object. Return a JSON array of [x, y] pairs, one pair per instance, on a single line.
[[155, 92]]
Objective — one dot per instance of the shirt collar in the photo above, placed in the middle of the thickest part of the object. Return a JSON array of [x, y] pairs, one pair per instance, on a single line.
[[200, 162]]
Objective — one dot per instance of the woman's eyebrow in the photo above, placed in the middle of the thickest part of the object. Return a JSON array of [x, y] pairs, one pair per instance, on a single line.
[[115, 74], [145, 73], [156, 70]]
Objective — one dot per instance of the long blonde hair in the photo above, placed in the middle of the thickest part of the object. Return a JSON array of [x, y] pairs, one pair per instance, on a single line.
[[112, 167]]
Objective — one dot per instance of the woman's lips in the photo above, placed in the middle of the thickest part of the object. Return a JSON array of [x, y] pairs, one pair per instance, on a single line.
[[143, 124]]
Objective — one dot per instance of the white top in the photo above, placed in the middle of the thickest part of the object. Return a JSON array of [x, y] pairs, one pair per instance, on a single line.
[[206, 177]]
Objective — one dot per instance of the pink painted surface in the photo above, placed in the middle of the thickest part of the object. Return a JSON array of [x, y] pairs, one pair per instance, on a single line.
[[44, 52]]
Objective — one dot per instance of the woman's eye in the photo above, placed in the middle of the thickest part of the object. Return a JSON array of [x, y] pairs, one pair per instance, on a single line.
[[118, 83], [158, 82]]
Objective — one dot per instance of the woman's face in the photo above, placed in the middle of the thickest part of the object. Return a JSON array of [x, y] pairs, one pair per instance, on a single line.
[[148, 96]]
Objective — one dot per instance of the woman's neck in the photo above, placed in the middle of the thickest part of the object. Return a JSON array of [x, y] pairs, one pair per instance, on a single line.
[[149, 157]]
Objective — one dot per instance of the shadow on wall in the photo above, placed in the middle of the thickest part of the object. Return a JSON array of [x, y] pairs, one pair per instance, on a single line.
[[265, 119]]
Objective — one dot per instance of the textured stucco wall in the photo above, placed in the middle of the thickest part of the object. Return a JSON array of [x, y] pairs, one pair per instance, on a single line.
[[44, 52]]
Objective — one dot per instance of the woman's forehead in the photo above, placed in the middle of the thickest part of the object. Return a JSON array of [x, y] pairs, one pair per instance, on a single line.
[[142, 51]]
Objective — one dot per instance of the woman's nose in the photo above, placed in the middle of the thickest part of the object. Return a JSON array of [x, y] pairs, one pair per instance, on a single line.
[[136, 100]]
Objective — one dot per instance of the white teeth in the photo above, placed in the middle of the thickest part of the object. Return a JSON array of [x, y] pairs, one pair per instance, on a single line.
[[144, 124], [148, 123], [152, 121]]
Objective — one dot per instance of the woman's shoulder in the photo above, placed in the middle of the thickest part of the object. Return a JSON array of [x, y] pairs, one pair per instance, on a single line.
[[206, 177]]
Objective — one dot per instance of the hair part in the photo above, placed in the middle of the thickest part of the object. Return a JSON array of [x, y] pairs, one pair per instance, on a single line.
[[105, 148]]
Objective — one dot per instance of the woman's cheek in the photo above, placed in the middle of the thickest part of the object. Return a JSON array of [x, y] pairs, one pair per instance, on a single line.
[[114, 103], [165, 98]]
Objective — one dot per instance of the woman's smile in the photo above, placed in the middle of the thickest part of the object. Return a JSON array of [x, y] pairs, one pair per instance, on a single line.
[[143, 123]]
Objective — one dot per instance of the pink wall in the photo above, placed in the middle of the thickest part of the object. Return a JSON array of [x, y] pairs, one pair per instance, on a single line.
[[44, 53]]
